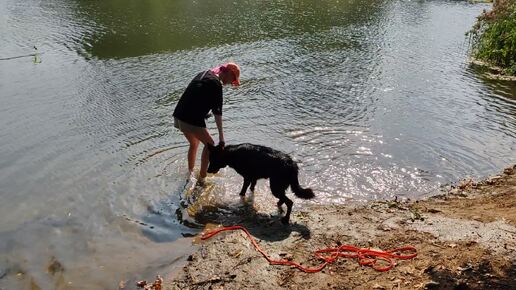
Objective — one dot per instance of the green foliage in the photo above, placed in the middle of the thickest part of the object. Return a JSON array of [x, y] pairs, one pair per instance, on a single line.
[[494, 36]]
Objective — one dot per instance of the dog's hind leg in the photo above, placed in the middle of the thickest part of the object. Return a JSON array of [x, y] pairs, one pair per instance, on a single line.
[[278, 189], [253, 184], [247, 181], [280, 203], [286, 218]]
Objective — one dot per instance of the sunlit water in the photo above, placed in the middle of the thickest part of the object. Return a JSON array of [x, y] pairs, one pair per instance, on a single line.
[[375, 99]]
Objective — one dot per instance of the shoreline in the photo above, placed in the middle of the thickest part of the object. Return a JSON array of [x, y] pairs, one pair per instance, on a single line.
[[465, 238], [491, 71]]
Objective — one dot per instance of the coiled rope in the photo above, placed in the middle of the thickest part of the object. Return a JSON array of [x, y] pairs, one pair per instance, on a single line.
[[365, 256]]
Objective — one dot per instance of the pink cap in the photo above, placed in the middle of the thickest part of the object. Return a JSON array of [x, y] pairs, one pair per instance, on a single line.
[[233, 68]]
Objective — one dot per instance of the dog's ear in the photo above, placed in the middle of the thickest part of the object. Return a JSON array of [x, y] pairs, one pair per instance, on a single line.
[[211, 148]]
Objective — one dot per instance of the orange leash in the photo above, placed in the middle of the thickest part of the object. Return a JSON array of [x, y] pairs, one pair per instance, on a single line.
[[366, 257]]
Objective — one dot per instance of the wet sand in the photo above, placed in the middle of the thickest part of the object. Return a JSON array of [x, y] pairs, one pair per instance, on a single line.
[[465, 239]]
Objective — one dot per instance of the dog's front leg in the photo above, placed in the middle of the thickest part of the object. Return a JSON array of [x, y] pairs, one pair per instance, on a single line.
[[247, 181], [253, 184]]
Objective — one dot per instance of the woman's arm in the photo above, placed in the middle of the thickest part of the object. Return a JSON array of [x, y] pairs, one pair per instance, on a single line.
[[218, 121]]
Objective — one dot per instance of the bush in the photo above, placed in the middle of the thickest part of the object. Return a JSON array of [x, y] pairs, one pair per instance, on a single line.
[[494, 36]]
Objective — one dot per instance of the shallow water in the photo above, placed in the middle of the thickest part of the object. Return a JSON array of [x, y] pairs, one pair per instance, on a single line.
[[375, 99]]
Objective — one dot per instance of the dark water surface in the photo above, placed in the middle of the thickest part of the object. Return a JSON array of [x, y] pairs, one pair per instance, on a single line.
[[374, 98]]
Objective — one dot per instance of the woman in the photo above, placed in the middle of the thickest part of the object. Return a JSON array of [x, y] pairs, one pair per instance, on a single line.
[[204, 93]]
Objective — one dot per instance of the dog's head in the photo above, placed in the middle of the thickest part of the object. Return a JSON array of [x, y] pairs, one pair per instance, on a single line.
[[217, 158]]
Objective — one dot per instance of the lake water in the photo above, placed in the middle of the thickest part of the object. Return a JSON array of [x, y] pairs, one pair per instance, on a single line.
[[374, 98]]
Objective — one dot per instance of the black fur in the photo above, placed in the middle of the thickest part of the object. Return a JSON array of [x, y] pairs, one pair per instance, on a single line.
[[254, 162]]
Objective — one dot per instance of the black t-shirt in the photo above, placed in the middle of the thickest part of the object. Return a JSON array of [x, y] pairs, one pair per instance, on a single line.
[[204, 93]]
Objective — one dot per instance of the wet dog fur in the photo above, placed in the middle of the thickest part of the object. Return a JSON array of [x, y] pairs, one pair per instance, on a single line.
[[254, 162]]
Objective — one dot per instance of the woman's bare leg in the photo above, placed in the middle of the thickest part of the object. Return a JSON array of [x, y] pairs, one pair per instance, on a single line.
[[194, 138], [205, 161], [205, 138], [192, 150]]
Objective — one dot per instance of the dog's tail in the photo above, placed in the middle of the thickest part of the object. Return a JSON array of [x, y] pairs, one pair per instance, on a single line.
[[305, 193]]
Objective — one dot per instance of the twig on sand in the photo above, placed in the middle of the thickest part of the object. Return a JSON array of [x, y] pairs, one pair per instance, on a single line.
[[216, 279]]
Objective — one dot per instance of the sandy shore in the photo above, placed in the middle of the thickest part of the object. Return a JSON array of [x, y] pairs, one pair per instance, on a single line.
[[465, 239]]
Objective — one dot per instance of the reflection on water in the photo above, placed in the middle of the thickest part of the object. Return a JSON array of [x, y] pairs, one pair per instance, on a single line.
[[134, 28], [375, 99]]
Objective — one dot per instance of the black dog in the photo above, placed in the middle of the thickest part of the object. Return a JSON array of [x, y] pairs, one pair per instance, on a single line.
[[254, 162]]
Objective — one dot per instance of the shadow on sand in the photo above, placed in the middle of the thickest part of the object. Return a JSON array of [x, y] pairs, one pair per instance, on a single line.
[[201, 208], [474, 277], [261, 225]]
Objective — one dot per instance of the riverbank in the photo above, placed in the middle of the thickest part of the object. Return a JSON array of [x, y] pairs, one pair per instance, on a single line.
[[465, 238], [491, 71]]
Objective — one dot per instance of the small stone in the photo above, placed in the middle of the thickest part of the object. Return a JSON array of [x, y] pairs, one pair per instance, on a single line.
[[429, 269], [471, 243], [477, 218], [467, 267], [141, 283], [432, 285]]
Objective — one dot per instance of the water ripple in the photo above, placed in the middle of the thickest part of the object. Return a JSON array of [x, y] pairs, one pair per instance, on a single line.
[[374, 99]]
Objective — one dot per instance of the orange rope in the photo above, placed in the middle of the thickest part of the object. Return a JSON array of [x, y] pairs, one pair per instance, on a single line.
[[366, 257]]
